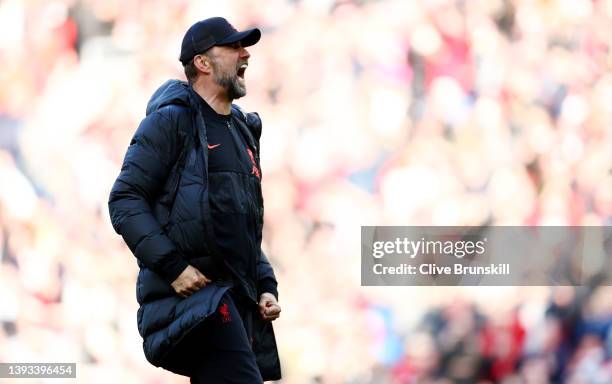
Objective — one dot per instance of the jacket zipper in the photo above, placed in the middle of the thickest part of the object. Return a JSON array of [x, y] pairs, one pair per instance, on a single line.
[[203, 143]]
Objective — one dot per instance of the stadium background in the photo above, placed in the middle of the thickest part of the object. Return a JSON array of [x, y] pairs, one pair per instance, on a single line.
[[374, 112]]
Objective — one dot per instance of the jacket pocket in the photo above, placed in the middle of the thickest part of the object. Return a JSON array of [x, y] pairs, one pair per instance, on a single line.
[[208, 267], [152, 286]]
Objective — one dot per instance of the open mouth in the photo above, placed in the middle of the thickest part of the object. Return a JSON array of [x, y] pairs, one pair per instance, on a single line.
[[241, 70]]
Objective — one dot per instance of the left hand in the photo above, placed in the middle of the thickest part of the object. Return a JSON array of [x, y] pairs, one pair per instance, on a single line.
[[268, 307]]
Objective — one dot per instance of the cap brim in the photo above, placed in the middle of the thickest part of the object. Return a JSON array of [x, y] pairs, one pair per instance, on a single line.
[[247, 38]]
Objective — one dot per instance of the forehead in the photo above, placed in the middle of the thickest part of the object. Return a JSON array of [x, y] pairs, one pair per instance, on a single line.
[[227, 47]]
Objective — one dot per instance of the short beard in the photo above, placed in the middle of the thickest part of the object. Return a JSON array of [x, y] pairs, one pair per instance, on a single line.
[[233, 89]]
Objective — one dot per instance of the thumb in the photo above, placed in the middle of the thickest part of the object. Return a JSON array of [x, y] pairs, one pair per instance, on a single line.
[[272, 310]]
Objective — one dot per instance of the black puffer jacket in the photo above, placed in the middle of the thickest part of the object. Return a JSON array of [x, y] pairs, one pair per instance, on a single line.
[[160, 205]]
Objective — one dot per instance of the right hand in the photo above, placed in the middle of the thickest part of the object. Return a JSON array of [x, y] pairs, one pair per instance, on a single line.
[[189, 281]]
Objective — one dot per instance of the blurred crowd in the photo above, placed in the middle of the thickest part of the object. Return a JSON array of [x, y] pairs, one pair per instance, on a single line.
[[388, 112]]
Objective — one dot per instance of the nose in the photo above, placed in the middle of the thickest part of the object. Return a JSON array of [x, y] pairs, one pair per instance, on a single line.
[[244, 53]]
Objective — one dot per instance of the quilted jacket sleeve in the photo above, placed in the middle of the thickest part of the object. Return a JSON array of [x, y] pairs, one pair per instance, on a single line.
[[267, 280], [147, 163]]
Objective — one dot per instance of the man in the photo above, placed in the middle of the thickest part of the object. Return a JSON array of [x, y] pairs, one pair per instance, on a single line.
[[188, 204]]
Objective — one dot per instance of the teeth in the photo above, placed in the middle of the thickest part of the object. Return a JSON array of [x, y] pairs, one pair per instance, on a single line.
[[244, 66]]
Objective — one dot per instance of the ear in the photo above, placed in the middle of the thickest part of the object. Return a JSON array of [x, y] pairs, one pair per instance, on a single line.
[[202, 63]]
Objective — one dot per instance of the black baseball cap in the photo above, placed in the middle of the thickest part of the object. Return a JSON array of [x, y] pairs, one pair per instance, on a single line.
[[207, 33]]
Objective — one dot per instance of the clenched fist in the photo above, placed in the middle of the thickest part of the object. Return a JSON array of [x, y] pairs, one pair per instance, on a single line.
[[268, 307], [189, 281]]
